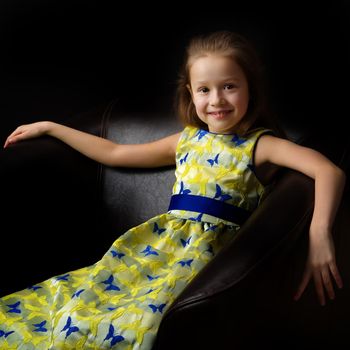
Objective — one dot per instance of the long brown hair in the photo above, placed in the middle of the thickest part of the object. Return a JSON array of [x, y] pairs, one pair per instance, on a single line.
[[238, 48]]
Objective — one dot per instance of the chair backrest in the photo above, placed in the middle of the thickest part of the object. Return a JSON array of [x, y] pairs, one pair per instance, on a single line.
[[131, 196]]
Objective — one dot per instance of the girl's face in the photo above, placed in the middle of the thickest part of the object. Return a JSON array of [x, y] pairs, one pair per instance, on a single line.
[[219, 92]]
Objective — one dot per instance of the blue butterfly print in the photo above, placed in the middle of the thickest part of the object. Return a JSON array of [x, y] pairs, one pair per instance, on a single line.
[[198, 218], [34, 288], [110, 285], [14, 308], [114, 338], [5, 334], [214, 161], [201, 133], [117, 254], [149, 251], [182, 189], [220, 196], [156, 308], [40, 327], [185, 242], [111, 308], [149, 291], [63, 277], [70, 329], [77, 293], [185, 262], [184, 159], [211, 228], [158, 229], [237, 140], [151, 278]]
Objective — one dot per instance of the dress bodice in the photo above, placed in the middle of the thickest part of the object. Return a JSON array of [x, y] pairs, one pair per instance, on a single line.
[[218, 166]]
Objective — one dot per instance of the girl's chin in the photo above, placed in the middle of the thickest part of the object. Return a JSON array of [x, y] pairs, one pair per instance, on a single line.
[[224, 128]]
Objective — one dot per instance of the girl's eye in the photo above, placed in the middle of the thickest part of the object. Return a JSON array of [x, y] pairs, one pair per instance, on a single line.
[[203, 90], [229, 86]]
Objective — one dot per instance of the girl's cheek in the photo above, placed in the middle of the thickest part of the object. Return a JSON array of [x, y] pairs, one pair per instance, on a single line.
[[200, 109]]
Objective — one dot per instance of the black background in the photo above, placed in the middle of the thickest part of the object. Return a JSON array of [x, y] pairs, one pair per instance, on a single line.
[[59, 58]]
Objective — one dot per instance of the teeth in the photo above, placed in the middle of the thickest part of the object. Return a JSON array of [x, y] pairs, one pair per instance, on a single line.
[[219, 114]]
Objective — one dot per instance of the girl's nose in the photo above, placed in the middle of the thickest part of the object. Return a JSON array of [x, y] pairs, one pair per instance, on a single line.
[[216, 99]]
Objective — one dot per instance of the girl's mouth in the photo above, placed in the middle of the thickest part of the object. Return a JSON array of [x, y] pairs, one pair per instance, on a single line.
[[219, 114]]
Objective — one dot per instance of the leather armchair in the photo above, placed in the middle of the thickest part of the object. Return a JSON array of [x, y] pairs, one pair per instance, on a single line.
[[62, 211]]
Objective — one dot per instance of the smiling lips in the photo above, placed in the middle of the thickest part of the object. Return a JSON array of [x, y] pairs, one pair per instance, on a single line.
[[219, 114]]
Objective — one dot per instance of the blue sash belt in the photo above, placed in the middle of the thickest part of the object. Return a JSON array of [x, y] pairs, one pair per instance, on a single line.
[[209, 206]]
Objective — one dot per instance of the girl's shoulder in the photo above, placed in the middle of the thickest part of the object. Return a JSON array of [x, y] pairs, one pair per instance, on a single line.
[[256, 133], [189, 131]]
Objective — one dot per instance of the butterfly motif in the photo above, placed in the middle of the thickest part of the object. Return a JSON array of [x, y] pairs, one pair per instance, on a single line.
[[63, 277], [214, 161], [184, 159], [70, 329], [185, 262], [5, 334], [77, 293], [110, 285], [185, 242], [201, 134], [211, 228], [156, 308], [237, 140], [198, 218], [34, 288], [40, 327], [117, 254], [149, 251], [182, 189], [114, 338], [14, 308], [220, 196], [150, 291], [151, 278], [157, 229]]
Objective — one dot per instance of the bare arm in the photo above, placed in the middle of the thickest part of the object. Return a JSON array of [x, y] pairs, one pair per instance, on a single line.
[[329, 185], [152, 154]]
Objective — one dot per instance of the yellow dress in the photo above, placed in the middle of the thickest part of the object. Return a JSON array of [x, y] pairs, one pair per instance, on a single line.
[[118, 302]]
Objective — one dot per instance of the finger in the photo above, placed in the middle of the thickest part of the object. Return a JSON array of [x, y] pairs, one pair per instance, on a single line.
[[319, 287], [13, 137], [15, 132], [335, 272], [10, 139], [304, 282], [7, 142], [16, 137], [327, 283]]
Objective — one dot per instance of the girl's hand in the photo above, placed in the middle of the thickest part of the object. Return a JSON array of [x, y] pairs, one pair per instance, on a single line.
[[321, 266], [27, 131]]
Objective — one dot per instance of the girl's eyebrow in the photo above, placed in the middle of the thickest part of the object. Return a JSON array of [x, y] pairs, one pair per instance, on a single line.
[[224, 79]]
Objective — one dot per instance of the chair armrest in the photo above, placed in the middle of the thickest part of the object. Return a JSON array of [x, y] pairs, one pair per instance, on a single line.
[[271, 232], [276, 224], [49, 217]]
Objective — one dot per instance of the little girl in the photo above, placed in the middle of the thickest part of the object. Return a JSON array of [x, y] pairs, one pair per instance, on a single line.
[[225, 156]]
